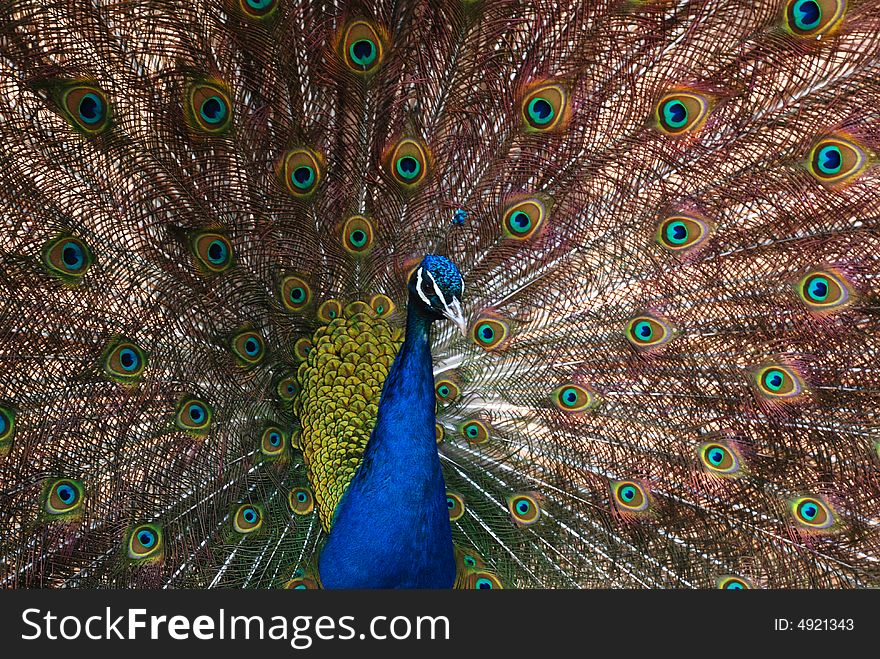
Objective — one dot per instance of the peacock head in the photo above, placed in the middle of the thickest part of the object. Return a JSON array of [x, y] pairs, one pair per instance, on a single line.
[[435, 288]]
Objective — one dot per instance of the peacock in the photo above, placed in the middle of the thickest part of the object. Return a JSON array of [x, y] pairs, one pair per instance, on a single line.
[[440, 293]]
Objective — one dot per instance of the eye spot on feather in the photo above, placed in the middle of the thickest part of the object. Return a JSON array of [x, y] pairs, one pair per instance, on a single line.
[[63, 497], [681, 112], [362, 47], [287, 388], [812, 18], [67, 258], [302, 348], [208, 108], [87, 108], [778, 382], [629, 497], [836, 160], [381, 305], [124, 362], [730, 582], [295, 293], [572, 398], [719, 458], [145, 543], [301, 501], [212, 252], [302, 172], [329, 310], [409, 163], [475, 432], [439, 433], [446, 390], [646, 332], [823, 291], [523, 219], [524, 509], [247, 519], [193, 416], [248, 347], [489, 333], [545, 107], [812, 514], [682, 232], [455, 504], [259, 9], [272, 441], [357, 235], [483, 580], [7, 429]]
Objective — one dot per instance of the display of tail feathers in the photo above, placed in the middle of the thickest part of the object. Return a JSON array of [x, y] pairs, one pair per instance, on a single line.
[[665, 213]]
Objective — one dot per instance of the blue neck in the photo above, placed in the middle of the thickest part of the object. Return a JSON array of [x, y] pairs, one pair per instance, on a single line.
[[391, 528]]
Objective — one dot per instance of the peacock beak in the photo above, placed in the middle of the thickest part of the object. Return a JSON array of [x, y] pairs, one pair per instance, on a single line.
[[453, 312]]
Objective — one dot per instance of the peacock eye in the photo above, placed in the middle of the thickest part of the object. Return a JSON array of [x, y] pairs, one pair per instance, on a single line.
[[287, 388], [446, 390], [362, 47], [455, 504], [124, 362], [823, 291], [489, 333], [573, 398], [259, 9], [247, 519], [810, 18], [408, 164], [778, 381], [208, 107], [629, 496], [67, 258], [681, 112], [439, 432], [87, 109], [524, 509], [357, 235], [144, 542], [483, 580], [193, 416], [7, 429], [272, 442], [682, 232], [302, 172], [475, 432], [812, 514], [719, 458], [63, 496], [302, 348], [523, 219], [646, 332], [544, 108], [730, 582], [329, 310], [835, 160], [248, 347], [212, 252], [301, 501], [381, 305], [295, 293]]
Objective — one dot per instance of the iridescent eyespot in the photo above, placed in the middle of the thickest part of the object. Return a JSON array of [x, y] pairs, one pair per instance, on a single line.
[[248, 347], [124, 362], [812, 513], [810, 18], [212, 251], [145, 542], [408, 163], [455, 504], [778, 382], [7, 429], [357, 235], [545, 107], [302, 348], [681, 112], [302, 582], [361, 47], [719, 458], [573, 398], [381, 305], [259, 9], [302, 171], [439, 433], [208, 108], [524, 509], [301, 500], [295, 293], [287, 388], [730, 582], [272, 441], [682, 232], [468, 560], [247, 518], [629, 496], [86, 108], [67, 258], [475, 432], [823, 291], [523, 219], [193, 416], [482, 580], [446, 390], [489, 333], [645, 332], [835, 160], [63, 497], [329, 310]]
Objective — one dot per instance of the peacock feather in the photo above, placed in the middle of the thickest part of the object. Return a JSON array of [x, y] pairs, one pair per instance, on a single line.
[[483, 293]]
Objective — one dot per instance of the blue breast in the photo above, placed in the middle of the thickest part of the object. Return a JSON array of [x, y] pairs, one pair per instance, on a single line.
[[391, 528]]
